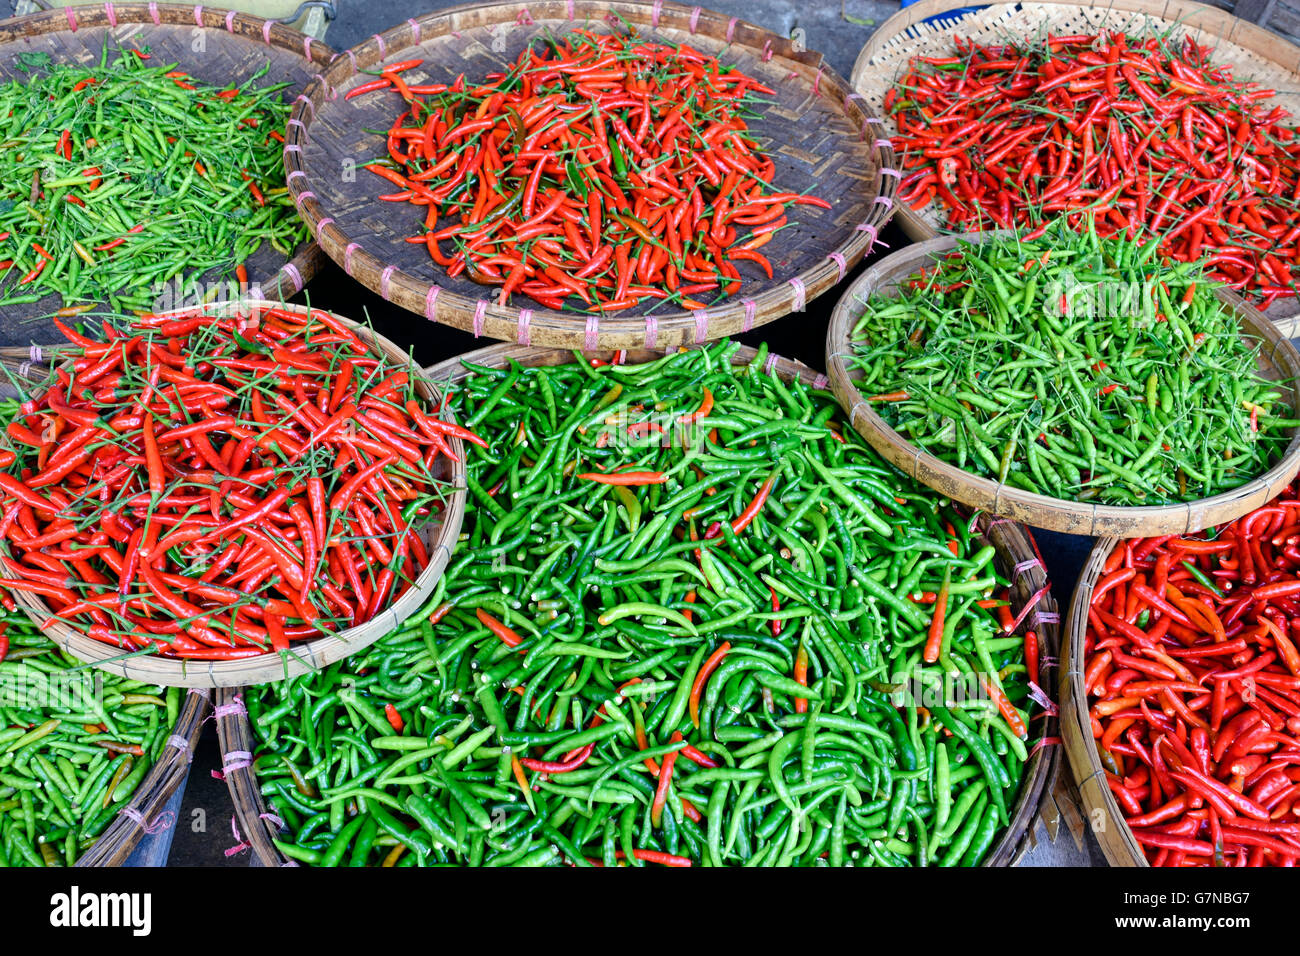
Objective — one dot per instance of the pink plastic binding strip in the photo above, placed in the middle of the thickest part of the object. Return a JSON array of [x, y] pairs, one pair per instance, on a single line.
[[890, 171], [266, 32], [840, 264], [767, 51], [480, 312], [235, 708], [701, 326], [384, 278], [181, 744], [521, 330], [305, 195], [320, 227], [821, 381], [817, 82], [383, 51], [162, 822], [347, 256], [751, 309], [568, 9], [236, 760], [695, 18], [651, 331], [885, 143], [306, 48], [153, 14], [770, 365], [352, 58], [72, 18], [111, 14], [731, 28], [800, 295], [591, 336], [885, 201], [198, 15], [1022, 567], [654, 13], [295, 276], [230, 21], [430, 303], [305, 101], [35, 353], [415, 30]]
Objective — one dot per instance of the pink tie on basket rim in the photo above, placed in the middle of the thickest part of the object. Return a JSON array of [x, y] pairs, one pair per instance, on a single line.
[[655, 9], [731, 28], [235, 708], [266, 32], [591, 334], [415, 30], [701, 326], [841, 266], [480, 313], [800, 295], [181, 744], [430, 303], [651, 331], [695, 19], [160, 823], [1020, 568], [153, 13], [522, 335], [385, 278], [751, 310], [347, 256], [112, 15], [230, 21]]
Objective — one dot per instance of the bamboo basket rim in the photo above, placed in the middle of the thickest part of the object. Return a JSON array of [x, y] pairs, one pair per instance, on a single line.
[[1206, 24], [482, 316], [1039, 510], [257, 824], [236, 28], [144, 813], [305, 655], [1110, 829]]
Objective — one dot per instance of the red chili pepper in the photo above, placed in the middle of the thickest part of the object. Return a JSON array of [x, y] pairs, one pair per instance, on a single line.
[[394, 718]]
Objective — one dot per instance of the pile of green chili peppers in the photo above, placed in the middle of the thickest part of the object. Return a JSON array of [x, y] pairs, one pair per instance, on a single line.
[[1073, 366], [412, 751], [117, 178], [75, 744]]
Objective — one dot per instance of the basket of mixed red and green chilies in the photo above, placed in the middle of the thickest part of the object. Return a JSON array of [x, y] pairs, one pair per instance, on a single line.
[[693, 620]]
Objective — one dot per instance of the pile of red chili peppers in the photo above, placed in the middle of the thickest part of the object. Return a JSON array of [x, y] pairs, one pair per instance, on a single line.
[[597, 173], [1147, 132], [1193, 675], [213, 487]]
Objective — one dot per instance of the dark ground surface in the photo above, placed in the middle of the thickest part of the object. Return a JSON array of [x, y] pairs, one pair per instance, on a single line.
[[203, 830]]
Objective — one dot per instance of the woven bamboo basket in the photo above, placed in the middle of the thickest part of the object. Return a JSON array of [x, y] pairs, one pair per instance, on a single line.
[[234, 45], [1253, 53], [144, 813], [1017, 558], [817, 134], [439, 536], [1278, 361], [1100, 807]]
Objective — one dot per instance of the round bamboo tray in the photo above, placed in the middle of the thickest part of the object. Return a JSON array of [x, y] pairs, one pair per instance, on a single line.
[[1099, 805], [1252, 51], [439, 536], [1278, 361], [1017, 558], [234, 46], [820, 137], [144, 812]]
